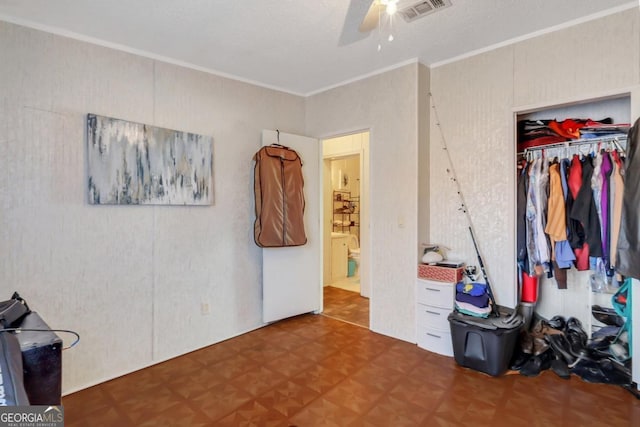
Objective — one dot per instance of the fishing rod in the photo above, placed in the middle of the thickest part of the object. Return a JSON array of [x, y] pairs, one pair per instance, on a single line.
[[463, 207]]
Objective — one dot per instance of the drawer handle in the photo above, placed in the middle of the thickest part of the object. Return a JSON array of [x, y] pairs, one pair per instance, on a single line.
[[434, 335], [432, 312], [432, 289]]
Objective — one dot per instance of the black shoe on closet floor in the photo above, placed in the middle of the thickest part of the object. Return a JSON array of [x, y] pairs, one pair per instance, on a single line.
[[560, 368], [607, 315], [518, 360], [600, 343], [576, 336], [557, 322], [562, 348], [537, 364], [574, 326], [602, 371]]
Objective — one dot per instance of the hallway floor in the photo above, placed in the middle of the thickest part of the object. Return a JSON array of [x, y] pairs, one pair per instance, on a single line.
[[315, 371], [348, 284], [346, 305]]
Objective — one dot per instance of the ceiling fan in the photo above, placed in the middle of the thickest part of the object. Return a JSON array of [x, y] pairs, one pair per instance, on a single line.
[[410, 10], [378, 7]]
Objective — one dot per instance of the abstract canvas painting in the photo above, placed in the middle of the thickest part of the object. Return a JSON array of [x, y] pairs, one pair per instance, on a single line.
[[137, 164]]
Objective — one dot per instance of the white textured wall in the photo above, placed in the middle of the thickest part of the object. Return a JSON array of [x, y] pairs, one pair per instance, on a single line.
[[476, 99], [424, 86], [561, 65], [342, 145], [129, 279], [387, 105], [473, 100]]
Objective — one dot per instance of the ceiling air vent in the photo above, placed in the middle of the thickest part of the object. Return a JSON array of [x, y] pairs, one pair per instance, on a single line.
[[423, 8]]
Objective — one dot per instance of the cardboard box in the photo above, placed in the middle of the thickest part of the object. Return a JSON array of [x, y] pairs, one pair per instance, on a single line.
[[440, 274]]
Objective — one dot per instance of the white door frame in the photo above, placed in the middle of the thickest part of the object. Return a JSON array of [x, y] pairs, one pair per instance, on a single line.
[[363, 152]]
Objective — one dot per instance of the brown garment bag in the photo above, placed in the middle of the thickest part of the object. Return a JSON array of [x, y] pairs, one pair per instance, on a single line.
[[279, 197]]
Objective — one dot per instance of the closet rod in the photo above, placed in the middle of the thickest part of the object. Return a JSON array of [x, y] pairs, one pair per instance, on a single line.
[[615, 139]]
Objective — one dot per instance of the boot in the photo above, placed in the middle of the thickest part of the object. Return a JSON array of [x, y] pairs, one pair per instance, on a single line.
[[526, 342], [542, 327], [540, 345]]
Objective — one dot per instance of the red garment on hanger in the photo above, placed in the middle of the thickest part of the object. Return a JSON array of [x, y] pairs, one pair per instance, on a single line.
[[574, 181]]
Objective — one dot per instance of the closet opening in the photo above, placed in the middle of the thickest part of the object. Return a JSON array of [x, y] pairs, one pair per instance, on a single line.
[[345, 189], [568, 167]]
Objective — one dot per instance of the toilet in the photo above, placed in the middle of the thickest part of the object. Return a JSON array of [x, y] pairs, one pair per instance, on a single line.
[[354, 250]]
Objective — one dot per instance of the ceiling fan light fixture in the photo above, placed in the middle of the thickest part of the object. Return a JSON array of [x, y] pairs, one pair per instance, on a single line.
[[391, 6]]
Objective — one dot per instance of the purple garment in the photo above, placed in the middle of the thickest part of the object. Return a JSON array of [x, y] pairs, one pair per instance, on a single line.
[[605, 170], [481, 301]]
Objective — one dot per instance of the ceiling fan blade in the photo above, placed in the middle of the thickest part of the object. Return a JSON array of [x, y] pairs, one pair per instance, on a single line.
[[370, 20], [350, 33]]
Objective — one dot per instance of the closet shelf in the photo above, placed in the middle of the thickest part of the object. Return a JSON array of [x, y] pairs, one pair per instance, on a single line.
[[617, 140]]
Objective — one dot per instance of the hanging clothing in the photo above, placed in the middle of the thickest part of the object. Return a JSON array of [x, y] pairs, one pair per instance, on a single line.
[[566, 213], [564, 165], [584, 210], [556, 219], [521, 218], [616, 210], [576, 233], [605, 171], [575, 176], [542, 191], [557, 227], [533, 258], [596, 185], [628, 255], [564, 253]]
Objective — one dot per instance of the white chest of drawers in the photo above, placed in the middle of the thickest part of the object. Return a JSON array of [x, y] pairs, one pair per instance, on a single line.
[[434, 302]]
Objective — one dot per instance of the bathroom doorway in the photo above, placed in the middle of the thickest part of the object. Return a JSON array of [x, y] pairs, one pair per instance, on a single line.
[[345, 190]]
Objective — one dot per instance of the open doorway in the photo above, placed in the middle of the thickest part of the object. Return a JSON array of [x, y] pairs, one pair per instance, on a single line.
[[345, 228]]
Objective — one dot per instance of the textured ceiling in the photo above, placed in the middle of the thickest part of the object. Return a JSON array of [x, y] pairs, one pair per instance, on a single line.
[[299, 46]]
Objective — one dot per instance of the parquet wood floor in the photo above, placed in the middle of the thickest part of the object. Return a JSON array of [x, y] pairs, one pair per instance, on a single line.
[[312, 371], [346, 305]]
